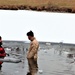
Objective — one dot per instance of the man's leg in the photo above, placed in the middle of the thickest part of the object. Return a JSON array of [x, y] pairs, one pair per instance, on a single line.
[[36, 65], [33, 67]]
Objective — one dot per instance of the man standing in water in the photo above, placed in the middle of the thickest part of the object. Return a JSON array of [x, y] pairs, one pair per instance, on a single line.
[[32, 54]]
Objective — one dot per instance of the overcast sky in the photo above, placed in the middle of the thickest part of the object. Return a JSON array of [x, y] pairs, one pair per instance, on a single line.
[[52, 27]]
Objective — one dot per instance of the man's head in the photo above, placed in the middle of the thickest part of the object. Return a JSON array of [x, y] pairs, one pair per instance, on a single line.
[[30, 35], [0, 40]]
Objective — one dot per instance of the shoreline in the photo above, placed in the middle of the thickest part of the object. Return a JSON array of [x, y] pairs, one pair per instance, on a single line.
[[38, 8]]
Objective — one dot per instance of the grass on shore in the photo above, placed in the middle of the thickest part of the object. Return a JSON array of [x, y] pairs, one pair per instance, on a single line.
[[40, 3]]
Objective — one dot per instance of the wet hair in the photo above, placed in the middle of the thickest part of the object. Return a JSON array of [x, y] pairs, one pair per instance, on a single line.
[[0, 37], [30, 33]]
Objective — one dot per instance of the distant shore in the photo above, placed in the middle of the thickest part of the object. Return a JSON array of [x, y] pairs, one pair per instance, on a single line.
[[36, 8], [40, 5]]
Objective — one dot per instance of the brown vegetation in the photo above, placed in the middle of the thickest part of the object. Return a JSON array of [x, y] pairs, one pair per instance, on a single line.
[[39, 5]]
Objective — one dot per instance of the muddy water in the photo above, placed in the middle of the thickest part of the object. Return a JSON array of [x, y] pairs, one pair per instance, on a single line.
[[50, 62]]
